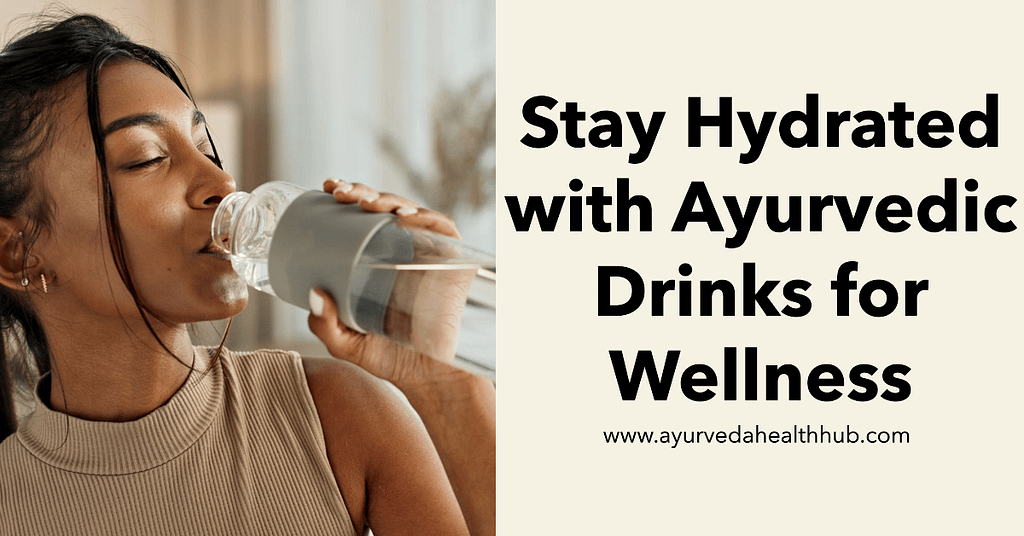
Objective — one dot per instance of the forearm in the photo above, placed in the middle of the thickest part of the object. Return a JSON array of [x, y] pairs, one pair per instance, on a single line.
[[458, 410]]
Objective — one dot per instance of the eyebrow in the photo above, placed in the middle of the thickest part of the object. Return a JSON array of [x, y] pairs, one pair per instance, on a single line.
[[147, 119]]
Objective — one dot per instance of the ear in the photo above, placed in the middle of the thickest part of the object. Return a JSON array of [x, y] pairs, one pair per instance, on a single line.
[[12, 253]]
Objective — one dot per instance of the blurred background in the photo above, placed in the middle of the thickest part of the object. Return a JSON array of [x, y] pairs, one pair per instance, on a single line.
[[395, 94]]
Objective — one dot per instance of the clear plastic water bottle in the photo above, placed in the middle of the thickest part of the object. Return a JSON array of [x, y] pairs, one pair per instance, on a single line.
[[407, 284]]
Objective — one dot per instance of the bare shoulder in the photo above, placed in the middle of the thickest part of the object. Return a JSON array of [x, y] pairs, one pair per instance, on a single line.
[[383, 460], [355, 409], [333, 379], [349, 394]]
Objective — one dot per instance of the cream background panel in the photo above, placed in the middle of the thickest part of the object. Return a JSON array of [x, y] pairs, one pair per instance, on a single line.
[[961, 471]]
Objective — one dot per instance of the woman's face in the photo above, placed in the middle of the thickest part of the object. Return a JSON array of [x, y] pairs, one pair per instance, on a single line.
[[166, 188]]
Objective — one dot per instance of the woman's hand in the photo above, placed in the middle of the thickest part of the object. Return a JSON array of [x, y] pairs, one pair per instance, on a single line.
[[425, 309]]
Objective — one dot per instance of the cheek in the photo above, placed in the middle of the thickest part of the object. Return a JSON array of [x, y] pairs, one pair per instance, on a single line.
[[80, 249], [153, 242]]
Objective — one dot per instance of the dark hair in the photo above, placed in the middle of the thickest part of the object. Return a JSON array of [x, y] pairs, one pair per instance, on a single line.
[[32, 67]]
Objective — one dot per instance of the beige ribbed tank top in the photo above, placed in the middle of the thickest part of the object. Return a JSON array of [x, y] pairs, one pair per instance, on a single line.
[[238, 450]]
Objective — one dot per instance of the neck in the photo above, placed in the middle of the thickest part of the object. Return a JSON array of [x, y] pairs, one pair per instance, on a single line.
[[117, 374]]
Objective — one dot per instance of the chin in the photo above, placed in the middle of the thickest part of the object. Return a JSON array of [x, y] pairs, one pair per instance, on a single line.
[[233, 292]]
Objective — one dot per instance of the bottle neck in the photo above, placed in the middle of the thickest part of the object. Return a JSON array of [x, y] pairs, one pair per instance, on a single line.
[[243, 223], [226, 218]]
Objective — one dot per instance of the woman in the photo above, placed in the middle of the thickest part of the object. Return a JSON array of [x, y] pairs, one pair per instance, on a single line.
[[108, 183]]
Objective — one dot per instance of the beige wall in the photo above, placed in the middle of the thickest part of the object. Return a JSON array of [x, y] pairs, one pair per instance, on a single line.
[[149, 21]]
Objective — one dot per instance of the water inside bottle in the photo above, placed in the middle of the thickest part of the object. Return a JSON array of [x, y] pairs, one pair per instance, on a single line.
[[418, 266], [254, 271]]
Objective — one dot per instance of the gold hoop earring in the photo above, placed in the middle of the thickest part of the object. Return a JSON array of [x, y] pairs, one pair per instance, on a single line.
[[43, 279]]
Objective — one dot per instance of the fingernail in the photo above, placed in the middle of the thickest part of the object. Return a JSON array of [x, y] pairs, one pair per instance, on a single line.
[[342, 187], [406, 211], [316, 303], [369, 198]]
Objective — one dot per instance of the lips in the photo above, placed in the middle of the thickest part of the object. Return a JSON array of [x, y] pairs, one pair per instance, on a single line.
[[214, 249]]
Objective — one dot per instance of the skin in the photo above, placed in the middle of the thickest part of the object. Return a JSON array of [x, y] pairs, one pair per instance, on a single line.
[[109, 368]]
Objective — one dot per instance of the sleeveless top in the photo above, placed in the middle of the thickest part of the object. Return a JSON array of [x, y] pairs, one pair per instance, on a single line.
[[237, 450]]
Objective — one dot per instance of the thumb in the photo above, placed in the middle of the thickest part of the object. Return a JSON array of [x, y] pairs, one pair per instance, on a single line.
[[341, 341]]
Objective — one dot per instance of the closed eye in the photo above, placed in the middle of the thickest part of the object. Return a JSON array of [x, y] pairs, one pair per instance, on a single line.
[[147, 163]]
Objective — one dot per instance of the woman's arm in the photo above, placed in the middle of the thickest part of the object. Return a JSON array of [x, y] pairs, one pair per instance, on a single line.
[[382, 459], [456, 407]]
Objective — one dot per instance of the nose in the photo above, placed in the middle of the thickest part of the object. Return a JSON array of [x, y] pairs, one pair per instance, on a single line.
[[210, 186]]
